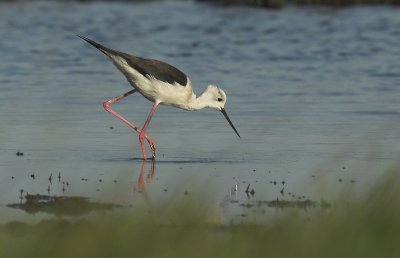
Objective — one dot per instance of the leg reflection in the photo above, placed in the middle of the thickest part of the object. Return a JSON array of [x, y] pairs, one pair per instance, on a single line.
[[142, 181]]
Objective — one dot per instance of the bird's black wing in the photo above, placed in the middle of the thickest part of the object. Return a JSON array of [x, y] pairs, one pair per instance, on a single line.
[[147, 67], [157, 69]]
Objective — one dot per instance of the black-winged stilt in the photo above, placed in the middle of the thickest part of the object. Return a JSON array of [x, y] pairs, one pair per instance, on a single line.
[[160, 83]]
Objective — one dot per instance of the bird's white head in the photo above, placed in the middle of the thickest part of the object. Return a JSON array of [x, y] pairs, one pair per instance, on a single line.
[[214, 97]]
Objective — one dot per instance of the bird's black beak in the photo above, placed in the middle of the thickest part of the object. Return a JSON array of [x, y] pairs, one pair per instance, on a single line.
[[227, 118]]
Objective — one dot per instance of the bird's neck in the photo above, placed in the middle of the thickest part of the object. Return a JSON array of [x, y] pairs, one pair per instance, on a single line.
[[199, 102]]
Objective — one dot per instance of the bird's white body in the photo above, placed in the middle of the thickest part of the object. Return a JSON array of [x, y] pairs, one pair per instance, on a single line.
[[170, 94], [154, 89]]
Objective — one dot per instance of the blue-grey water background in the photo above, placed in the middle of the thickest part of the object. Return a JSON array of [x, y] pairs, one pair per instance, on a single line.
[[313, 91]]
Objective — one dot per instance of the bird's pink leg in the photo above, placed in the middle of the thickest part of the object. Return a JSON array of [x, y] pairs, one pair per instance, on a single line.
[[107, 106], [142, 133]]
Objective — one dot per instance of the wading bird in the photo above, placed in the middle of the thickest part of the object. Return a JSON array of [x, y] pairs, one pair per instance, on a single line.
[[160, 83]]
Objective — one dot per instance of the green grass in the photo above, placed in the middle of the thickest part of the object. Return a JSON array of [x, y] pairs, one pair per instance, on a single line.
[[363, 228]]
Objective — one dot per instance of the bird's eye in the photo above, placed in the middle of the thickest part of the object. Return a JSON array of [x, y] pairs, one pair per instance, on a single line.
[[219, 99]]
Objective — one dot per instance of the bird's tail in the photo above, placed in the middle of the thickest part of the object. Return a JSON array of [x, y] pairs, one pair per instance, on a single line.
[[107, 51]]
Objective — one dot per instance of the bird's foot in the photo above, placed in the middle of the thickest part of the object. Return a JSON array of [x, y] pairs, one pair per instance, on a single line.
[[150, 140]]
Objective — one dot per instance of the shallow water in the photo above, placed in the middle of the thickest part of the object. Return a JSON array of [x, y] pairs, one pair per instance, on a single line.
[[314, 92]]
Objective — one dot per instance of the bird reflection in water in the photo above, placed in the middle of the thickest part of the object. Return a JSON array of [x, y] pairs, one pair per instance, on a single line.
[[143, 180]]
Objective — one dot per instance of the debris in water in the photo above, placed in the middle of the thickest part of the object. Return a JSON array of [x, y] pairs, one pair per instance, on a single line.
[[247, 189], [252, 192], [247, 205]]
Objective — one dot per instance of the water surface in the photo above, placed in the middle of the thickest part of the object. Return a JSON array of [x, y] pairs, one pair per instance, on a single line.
[[314, 93]]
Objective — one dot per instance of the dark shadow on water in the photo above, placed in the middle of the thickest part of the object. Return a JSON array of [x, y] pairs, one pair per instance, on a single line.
[[61, 205], [173, 161], [376, 113], [79, 205], [197, 161]]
